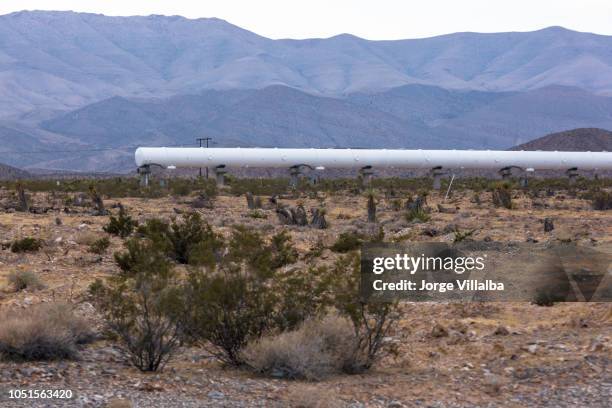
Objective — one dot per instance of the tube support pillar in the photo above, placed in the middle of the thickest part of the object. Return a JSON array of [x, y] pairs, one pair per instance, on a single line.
[[572, 174], [295, 172], [144, 172], [366, 174], [505, 173], [220, 172], [437, 173]]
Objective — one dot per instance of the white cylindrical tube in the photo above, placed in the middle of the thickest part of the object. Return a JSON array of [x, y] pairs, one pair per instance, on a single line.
[[377, 158]]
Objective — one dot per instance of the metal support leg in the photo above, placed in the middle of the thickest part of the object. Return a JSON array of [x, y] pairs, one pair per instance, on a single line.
[[220, 175], [144, 172], [366, 174], [506, 173], [437, 173], [295, 173], [572, 174]]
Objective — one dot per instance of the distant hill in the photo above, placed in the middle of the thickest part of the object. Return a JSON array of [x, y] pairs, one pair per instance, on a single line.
[[53, 60], [585, 139], [12, 173], [412, 116]]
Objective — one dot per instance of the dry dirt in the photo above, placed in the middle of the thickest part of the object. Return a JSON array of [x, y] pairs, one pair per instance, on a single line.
[[490, 354]]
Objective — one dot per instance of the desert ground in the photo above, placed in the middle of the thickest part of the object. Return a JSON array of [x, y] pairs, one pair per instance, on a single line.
[[443, 355]]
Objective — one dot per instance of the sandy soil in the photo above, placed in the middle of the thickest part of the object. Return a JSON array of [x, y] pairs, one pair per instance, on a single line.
[[490, 354]]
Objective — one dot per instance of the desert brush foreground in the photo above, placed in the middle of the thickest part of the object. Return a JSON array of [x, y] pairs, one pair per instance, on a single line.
[[433, 354]]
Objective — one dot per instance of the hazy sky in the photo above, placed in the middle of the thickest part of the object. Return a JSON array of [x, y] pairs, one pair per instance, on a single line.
[[373, 19]]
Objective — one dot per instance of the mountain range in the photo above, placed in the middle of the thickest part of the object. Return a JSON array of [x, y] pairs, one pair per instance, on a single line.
[[86, 88]]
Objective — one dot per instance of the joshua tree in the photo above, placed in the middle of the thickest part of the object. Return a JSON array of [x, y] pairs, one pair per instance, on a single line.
[[24, 205], [371, 208]]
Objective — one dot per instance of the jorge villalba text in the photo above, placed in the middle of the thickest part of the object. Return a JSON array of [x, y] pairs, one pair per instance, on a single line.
[[461, 285]]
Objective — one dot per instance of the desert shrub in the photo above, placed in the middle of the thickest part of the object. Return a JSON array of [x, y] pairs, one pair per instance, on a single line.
[[417, 214], [371, 320], [141, 304], [122, 225], [21, 280], [317, 349], [189, 240], [27, 244], [396, 205], [547, 297], [305, 295], [227, 308], [502, 196], [140, 257], [260, 186], [99, 246], [98, 203], [347, 241], [463, 235], [282, 250], [193, 240], [602, 200], [243, 295], [42, 332], [257, 214]]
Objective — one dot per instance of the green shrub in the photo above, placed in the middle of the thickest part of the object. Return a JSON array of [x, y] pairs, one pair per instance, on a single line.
[[602, 200], [462, 235], [417, 214], [257, 214], [282, 250], [27, 244], [142, 305], [371, 320], [347, 241], [42, 332], [227, 308], [122, 225], [243, 295], [24, 280], [99, 246], [189, 240], [548, 296]]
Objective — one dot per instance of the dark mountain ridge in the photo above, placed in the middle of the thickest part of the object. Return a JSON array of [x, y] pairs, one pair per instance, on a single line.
[[585, 139]]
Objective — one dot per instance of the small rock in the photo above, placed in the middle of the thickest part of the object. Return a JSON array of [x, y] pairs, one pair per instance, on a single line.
[[501, 331], [216, 395], [439, 331]]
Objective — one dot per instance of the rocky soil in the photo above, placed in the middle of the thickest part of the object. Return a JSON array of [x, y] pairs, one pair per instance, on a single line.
[[442, 355]]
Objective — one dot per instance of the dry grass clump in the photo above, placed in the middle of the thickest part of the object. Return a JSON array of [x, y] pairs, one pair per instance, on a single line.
[[308, 396], [22, 280], [318, 349], [42, 332], [88, 238]]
